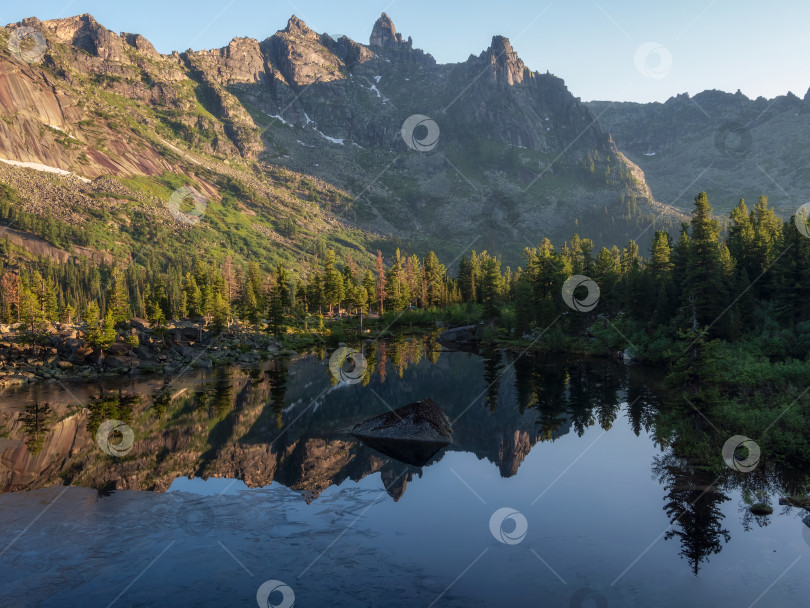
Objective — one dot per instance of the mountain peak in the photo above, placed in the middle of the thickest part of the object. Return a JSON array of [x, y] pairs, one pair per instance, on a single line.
[[384, 34], [298, 27], [508, 68], [501, 45]]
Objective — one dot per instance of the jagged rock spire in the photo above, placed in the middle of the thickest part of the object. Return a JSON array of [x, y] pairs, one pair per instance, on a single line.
[[383, 31], [508, 68], [384, 34]]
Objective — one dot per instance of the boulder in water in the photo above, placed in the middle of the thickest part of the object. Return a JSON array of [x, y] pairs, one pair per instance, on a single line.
[[802, 502], [461, 335], [761, 509], [412, 434]]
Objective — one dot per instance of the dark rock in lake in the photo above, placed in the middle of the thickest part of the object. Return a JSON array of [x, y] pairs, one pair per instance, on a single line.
[[461, 335], [412, 434], [761, 509], [796, 501]]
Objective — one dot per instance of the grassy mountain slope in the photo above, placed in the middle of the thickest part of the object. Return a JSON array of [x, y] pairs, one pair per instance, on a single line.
[[130, 122]]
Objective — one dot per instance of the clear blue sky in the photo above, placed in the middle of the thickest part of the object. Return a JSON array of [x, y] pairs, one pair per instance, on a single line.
[[760, 48]]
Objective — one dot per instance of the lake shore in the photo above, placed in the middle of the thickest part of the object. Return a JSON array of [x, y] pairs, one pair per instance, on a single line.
[[63, 352]]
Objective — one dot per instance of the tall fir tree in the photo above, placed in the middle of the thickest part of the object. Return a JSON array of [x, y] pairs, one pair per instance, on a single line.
[[705, 286]]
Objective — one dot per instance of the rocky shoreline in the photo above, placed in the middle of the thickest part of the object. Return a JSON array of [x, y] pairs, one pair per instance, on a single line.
[[63, 352]]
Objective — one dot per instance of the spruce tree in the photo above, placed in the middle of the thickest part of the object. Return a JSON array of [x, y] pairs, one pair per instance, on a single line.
[[283, 286], [380, 267], [490, 279], [67, 315], [193, 296], [332, 281], [704, 273], [276, 314], [606, 273], [466, 280], [767, 232], [30, 313], [118, 298], [394, 287], [524, 306], [660, 255], [368, 285], [791, 276], [360, 302], [434, 273], [740, 239], [314, 293]]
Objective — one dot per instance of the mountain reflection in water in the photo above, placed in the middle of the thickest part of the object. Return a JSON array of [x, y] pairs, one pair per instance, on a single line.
[[285, 421]]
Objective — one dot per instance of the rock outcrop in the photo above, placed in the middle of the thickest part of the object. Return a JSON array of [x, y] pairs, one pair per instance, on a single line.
[[347, 50], [412, 434], [140, 44], [385, 35], [761, 509], [85, 33], [241, 61], [507, 69], [301, 55]]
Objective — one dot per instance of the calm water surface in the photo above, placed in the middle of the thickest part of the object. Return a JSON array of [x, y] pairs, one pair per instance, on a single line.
[[241, 476]]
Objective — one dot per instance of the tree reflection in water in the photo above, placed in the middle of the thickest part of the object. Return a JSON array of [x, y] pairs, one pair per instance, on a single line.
[[693, 506], [277, 378], [233, 423], [36, 419]]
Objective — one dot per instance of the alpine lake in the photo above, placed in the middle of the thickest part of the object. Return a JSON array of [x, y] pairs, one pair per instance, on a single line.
[[242, 485]]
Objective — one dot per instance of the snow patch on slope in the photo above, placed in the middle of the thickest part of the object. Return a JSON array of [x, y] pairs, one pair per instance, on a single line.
[[334, 140], [279, 118], [44, 168]]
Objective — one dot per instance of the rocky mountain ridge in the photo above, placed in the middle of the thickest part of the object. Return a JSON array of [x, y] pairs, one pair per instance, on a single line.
[[516, 158], [726, 144]]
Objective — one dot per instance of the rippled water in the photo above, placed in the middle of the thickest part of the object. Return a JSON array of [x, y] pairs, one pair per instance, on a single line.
[[553, 493]]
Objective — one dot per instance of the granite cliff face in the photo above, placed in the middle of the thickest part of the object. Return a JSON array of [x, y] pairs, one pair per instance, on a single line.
[[517, 153]]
